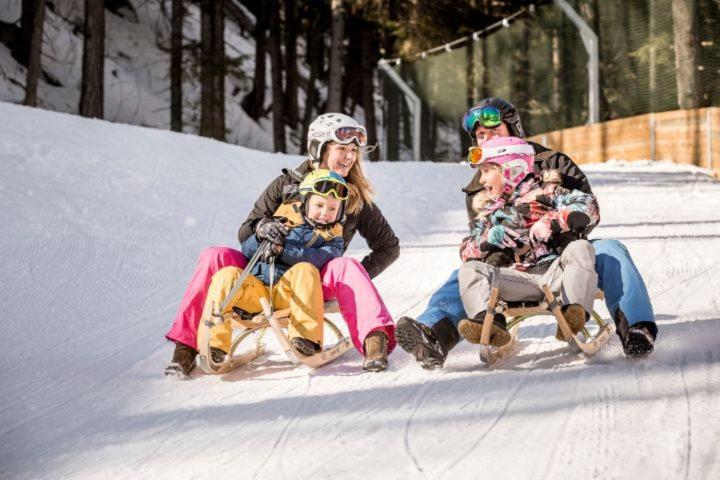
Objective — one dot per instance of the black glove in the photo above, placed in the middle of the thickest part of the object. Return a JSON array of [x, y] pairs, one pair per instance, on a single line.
[[578, 221], [273, 229], [271, 250]]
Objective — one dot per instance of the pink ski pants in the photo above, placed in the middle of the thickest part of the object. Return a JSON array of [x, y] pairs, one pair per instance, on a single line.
[[343, 278]]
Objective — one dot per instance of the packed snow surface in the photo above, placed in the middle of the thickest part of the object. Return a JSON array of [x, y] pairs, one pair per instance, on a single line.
[[100, 227]]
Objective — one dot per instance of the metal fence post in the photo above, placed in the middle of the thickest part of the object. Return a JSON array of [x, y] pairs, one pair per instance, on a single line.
[[590, 40], [709, 139], [652, 136], [413, 102]]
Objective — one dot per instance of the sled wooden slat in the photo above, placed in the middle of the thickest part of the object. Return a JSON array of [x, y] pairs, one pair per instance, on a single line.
[[231, 363], [260, 323], [519, 312], [589, 348], [313, 361]]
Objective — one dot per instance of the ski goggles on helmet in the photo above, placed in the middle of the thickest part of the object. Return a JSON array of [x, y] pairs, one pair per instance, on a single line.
[[326, 187], [345, 135], [478, 155], [487, 116]]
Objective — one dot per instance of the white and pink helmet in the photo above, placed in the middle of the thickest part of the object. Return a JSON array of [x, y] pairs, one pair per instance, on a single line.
[[514, 156]]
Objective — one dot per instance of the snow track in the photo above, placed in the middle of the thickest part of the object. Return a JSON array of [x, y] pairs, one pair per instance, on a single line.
[[99, 234]]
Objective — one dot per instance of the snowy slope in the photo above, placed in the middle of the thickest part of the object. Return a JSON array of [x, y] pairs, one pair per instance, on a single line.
[[99, 228]]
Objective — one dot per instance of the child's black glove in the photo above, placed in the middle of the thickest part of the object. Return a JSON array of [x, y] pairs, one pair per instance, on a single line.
[[270, 251], [273, 229]]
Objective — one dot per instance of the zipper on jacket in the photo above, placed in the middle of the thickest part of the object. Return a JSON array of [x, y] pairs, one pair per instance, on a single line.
[[312, 240]]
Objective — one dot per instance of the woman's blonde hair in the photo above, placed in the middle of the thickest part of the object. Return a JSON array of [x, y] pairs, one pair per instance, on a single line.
[[361, 190]]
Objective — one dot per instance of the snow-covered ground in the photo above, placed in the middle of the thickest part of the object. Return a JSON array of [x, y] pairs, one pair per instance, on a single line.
[[100, 225]]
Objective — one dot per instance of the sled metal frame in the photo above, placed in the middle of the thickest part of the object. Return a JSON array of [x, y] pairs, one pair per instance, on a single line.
[[259, 324], [549, 306]]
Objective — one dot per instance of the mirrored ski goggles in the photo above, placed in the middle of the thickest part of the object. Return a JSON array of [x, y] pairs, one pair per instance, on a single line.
[[326, 187], [488, 117], [474, 155], [345, 135]]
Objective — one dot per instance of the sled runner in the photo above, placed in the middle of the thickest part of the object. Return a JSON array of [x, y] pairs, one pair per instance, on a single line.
[[517, 312], [251, 332], [254, 327]]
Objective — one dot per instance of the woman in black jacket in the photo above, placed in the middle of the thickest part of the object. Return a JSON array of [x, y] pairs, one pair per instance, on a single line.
[[334, 142]]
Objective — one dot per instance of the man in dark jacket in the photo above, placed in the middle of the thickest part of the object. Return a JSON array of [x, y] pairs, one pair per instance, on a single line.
[[434, 333]]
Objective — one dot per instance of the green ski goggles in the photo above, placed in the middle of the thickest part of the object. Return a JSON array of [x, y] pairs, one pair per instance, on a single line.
[[488, 117]]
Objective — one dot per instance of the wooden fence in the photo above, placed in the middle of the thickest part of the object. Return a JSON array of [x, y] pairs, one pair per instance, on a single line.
[[681, 136]]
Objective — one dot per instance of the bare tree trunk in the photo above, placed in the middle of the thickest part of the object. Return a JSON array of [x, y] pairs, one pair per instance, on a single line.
[[254, 102], [687, 53], [21, 46], [291, 70], [336, 56], [571, 107], [368, 86], [176, 66], [484, 90], [391, 118], [92, 92], [212, 70], [277, 82], [521, 91], [33, 67], [556, 72], [471, 94], [315, 58]]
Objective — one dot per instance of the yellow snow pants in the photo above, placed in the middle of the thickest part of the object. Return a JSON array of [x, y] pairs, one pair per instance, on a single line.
[[299, 289]]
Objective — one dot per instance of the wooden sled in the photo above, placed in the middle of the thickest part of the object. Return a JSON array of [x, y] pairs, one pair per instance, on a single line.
[[256, 327], [516, 313], [313, 361]]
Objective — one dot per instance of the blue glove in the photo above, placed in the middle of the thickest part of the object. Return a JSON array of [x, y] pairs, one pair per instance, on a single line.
[[503, 237]]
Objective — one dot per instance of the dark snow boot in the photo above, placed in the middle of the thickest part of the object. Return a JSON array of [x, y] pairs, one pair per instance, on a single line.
[[183, 361], [429, 345], [375, 347], [576, 316], [304, 346], [639, 341], [471, 329]]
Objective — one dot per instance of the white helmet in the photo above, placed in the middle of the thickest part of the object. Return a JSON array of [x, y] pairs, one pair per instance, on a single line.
[[333, 127]]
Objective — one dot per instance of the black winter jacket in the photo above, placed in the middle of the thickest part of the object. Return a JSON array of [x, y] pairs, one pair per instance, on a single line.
[[369, 222], [545, 159]]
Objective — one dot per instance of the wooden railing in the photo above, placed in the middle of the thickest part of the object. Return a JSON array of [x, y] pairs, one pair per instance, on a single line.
[[681, 136]]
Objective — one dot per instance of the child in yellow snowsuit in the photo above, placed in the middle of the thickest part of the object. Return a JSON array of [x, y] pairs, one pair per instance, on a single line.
[[302, 236]]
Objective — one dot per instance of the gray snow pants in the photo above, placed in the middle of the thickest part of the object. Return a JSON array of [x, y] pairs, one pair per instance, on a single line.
[[572, 276]]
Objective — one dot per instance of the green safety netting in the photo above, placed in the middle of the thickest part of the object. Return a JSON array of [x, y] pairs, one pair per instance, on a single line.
[[539, 63]]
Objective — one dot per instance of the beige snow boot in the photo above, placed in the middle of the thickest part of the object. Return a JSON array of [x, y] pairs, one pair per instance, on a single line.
[[376, 346], [576, 316]]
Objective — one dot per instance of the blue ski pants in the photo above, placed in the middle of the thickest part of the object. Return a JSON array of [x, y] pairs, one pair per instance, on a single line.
[[618, 278]]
